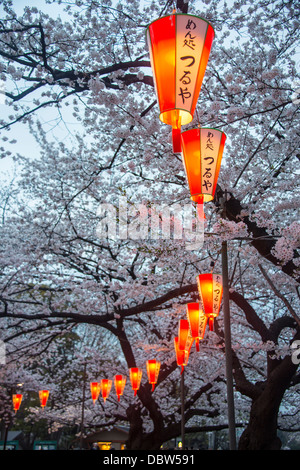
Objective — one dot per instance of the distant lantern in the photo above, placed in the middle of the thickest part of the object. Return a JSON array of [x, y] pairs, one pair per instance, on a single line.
[[210, 290], [202, 151], [182, 355], [197, 321], [105, 388], [120, 381], [95, 390], [153, 367], [43, 395], [179, 47], [17, 399], [135, 374], [185, 339]]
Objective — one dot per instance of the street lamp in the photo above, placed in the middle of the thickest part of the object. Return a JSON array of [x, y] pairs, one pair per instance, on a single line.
[[179, 47]]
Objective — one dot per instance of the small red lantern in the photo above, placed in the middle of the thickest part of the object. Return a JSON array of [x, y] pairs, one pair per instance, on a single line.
[[182, 355], [179, 47], [17, 399], [202, 151], [95, 390], [43, 395], [105, 386], [120, 381], [210, 290], [135, 374], [153, 367], [185, 339], [197, 321]]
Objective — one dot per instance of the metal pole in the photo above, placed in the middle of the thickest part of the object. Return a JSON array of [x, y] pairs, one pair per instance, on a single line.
[[228, 352], [82, 409], [182, 410]]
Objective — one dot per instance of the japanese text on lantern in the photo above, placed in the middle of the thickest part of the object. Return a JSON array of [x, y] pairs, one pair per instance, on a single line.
[[208, 161], [190, 42], [217, 292]]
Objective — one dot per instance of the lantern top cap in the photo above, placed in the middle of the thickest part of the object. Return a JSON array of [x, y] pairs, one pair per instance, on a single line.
[[204, 129], [175, 13]]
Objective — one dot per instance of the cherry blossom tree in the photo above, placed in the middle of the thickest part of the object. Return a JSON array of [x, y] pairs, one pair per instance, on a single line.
[[79, 81]]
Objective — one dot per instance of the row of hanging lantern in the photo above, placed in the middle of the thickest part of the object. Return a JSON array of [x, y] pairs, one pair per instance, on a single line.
[[135, 375], [179, 47], [17, 399], [193, 327]]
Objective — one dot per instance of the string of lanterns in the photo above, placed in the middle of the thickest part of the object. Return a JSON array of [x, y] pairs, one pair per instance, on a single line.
[[17, 399], [179, 47]]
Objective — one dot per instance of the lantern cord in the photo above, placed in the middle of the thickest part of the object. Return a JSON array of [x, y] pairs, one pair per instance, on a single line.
[[211, 323], [197, 344], [135, 392], [182, 369], [153, 386], [200, 211]]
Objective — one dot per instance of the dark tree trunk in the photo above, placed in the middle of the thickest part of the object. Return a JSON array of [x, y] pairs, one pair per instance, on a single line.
[[261, 432]]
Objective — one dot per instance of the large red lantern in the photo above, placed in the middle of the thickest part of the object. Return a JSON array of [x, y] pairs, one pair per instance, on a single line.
[[179, 47], [153, 367], [43, 396], [197, 321], [210, 290], [95, 390], [17, 399], [182, 355], [202, 150], [135, 374], [120, 381], [105, 388]]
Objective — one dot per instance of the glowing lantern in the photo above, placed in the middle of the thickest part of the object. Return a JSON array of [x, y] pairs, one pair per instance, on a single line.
[[105, 388], [95, 390], [179, 47], [202, 151], [210, 290], [43, 395], [153, 367], [135, 374], [185, 339], [120, 381], [197, 322], [182, 355], [17, 398]]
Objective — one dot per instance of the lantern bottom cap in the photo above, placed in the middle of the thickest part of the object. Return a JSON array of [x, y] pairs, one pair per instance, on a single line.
[[198, 198], [171, 116]]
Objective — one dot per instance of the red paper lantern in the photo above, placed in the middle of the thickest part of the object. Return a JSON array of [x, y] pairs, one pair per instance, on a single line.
[[17, 399], [105, 385], [210, 290], [202, 151], [179, 47], [197, 321], [182, 355], [135, 374], [185, 339], [120, 381], [43, 395], [153, 367], [95, 390]]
